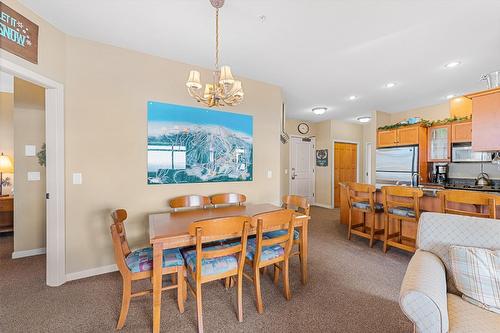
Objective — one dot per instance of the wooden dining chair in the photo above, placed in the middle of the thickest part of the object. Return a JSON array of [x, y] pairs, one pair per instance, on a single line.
[[401, 203], [217, 262], [189, 201], [300, 205], [361, 198], [484, 204], [228, 199], [263, 251], [138, 265]]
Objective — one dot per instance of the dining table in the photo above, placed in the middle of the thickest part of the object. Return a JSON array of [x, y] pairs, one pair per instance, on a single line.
[[170, 230]]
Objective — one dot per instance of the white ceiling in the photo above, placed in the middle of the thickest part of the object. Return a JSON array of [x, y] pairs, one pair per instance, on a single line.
[[320, 52]]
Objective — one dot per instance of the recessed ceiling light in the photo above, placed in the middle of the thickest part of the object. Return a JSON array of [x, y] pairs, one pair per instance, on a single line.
[[452, 64], [364, 119], [319, 110], [450, 96], [353, 97], [390, 85]]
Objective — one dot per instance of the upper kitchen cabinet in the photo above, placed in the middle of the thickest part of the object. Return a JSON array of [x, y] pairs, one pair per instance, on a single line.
[[486, 120], [439, 143], [461, 132], [403, 136]]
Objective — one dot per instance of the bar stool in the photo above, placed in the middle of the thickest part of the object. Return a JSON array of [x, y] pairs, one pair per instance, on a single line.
[[401, 203], [481, 202], [361, 197]]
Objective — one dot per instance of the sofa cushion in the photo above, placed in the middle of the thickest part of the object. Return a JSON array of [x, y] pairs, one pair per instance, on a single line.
[[476, 272], [141, 260], [436, 232], [467, 318], [366, 205]]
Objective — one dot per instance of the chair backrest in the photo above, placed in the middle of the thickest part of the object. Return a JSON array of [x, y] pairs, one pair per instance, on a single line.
[[402, 196], [278, 220], [216, 229], [437, 231], [228, 199], [297, 203], [461, 199], [189, 201], [119, 237], [358, 192]]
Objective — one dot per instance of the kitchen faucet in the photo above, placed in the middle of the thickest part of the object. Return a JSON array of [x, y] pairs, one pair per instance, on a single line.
[[414, 183]]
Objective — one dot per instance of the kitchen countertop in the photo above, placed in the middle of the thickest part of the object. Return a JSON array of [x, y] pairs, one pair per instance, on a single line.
[[431, 189]]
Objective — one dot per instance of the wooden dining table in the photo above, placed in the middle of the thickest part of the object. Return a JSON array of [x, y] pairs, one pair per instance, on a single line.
[[170, 230]]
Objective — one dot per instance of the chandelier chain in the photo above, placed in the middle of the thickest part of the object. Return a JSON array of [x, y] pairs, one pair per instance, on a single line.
[[217, 38]]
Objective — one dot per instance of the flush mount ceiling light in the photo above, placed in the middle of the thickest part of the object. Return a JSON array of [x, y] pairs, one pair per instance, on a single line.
[[390, 85], [452, 64], [353, 97], [364, 119], [450, 96], [224, 89], [319, 110]]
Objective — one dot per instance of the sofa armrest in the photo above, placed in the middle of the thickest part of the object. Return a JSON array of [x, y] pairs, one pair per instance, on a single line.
[[423, 296]]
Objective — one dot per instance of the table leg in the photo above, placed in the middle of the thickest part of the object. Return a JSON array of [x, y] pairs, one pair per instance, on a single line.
[[303, 251], [157, 274]]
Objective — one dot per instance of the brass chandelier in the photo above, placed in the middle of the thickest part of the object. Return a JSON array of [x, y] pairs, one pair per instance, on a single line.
[[224, 89]]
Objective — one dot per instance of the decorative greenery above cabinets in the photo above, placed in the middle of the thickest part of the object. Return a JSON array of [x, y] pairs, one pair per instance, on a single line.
[[425, 123]]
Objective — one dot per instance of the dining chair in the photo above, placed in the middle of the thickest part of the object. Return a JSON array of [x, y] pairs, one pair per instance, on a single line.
[[265, 251], [483, 203], [138, 265], [401, 203], [206, 264], [228, 199], [189, 201], [361, 198], [300, 205]]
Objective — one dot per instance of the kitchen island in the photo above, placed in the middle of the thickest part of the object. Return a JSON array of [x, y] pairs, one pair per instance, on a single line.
[[429, 203]]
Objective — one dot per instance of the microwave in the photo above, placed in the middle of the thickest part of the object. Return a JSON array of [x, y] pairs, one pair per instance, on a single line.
[[462, 152]]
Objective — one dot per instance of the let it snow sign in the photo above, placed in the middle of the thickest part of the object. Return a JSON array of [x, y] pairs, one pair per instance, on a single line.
[[18, 35]]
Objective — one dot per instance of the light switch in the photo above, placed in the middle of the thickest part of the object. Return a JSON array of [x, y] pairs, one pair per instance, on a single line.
[[77, 178], [286, 171], [269, 174], [33, 176], [29, 150]]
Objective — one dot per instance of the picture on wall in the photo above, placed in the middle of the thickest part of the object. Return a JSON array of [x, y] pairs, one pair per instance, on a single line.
[[195, 145]]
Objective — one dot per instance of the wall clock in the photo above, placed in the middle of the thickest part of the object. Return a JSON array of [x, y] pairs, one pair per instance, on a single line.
[[303, 128]]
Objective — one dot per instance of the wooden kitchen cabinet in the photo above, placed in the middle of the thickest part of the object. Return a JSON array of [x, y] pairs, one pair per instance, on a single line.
[[387, 138], [440, 143], [486, 120], [6, 214], [404, 136], [408, 136], [461, 132]]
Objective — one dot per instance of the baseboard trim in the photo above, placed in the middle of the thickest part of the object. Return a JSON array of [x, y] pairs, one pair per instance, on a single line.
[[91, 272], [28, 253], [322, 206]]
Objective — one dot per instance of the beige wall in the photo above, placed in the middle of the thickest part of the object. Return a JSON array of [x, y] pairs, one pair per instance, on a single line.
[[433, 112], [106, 90], [323, 174], [29, 198], [291, 129]]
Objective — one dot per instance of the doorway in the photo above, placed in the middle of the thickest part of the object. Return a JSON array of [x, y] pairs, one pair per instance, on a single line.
[[302, 173], [345, 166], [368, 163]]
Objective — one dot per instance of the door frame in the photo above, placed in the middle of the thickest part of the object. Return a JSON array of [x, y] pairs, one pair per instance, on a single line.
[[368, 162], [313, 140], [55, 171], [357, 143]]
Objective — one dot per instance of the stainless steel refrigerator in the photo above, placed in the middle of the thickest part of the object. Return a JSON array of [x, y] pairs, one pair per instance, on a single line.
[[396, 164]]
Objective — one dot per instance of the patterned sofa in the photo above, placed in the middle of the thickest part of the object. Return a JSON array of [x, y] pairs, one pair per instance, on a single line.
[[428, 295]]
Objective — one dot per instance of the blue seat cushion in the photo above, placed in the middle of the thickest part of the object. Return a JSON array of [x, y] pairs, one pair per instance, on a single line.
[[142, 260], [278, 233], [366, 205], [268, 252], [212, 266], [402, 211]]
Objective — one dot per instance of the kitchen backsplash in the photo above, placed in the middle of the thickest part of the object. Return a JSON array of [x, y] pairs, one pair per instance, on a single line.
[[472, 170]]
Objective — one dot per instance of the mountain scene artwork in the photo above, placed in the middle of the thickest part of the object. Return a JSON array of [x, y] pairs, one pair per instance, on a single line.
[[194, 145]]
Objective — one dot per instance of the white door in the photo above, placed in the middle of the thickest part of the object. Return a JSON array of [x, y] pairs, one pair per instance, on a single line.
[[302, 167]]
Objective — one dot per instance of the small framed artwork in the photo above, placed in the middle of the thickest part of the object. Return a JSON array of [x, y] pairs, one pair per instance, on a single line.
[[322, 157]]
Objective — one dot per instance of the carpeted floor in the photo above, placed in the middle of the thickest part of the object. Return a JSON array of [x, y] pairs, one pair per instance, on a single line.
[[352, 288]]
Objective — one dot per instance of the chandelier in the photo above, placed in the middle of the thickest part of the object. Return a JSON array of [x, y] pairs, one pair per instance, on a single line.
[[224, 89]]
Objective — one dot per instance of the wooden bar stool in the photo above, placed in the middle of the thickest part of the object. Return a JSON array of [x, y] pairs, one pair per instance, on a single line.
[[401, 203], [361, 197], [481, 201]]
